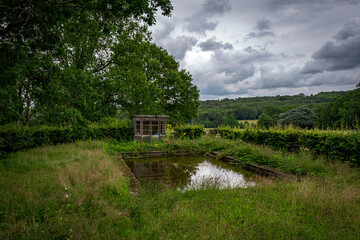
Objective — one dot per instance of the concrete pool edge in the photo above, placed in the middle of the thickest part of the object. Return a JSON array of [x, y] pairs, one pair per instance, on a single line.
[[130, 155], [255, 168], [133, 182]]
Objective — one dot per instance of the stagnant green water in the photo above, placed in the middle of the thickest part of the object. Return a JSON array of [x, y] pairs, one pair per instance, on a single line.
[[190, 172]]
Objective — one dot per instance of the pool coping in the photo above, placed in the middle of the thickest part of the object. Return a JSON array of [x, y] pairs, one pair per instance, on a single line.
[[133, 182], [252, 167]]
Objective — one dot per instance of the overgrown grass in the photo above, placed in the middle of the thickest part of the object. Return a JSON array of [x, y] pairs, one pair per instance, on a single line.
[[302, 163], [297, 210], [61, 192], [75, 191]]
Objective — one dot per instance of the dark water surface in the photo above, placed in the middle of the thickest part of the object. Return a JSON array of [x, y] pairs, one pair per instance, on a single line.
[[190, 172]]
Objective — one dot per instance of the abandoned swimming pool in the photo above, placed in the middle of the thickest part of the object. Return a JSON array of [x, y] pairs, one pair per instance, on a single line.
[[190, 172]]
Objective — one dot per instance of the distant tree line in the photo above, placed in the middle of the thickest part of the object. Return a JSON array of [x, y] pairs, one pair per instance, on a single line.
[[324, 110], [342, 113]]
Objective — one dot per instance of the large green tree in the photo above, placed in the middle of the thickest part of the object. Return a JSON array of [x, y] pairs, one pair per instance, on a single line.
[[152, 84], [271, 116], [345, 111], [74, 61], [303, 117]]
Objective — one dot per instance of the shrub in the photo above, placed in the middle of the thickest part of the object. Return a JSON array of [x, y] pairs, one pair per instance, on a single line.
[[188, 131], [342, 145], [213, 132], [13, 138], [302, 117], [230, 133]]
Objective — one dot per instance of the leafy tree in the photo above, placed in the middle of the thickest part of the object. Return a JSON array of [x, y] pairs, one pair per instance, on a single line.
[[168, 90], [231, 121], [35, 20], [303, 117], [78, 61], [345, 111], [267, 121], [253, 107], [212, 119], [323, 119], [269, 117], [243, 113]]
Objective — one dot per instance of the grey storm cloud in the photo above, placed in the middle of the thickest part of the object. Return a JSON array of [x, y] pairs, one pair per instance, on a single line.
[[202, 20], [229, 68], [261, 30], [283, 78], [211, 45], [350, 29], [325, 3], [263, 24], [241, 73], [179, 46], [233, 60], [236, 67], [345, 77], [261, 34], [342, 54], [176, 46], [292, 78], [163, 32], [255, 55], [303, 10], [227, 60]]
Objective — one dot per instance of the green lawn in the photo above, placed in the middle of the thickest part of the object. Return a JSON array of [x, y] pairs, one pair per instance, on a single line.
[[76, 191]]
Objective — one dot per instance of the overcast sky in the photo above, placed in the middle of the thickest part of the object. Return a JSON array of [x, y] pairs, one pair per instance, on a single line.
[[242, 48]]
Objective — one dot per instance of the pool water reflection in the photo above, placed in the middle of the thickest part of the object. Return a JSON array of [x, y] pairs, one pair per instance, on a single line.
[[190, 172]]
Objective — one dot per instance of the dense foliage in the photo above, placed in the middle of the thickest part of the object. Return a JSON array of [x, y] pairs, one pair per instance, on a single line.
[[343, 112], [188, 131], [340, 145], [302, 117], [332, 110], [71, 62], [15, 138], [270, 116], [213, 113]]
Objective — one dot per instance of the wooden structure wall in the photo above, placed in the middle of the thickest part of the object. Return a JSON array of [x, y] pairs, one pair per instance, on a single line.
[[149, 126]]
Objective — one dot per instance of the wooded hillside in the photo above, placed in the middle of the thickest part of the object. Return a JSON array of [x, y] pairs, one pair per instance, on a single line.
[[213, 113]]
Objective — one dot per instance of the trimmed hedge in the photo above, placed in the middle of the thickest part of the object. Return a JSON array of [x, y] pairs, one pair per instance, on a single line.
[[19, 138], [188, 131], [342, 145]]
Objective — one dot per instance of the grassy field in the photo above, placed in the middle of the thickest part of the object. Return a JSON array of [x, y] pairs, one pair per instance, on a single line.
[[77, 191], [249, 121], [59, 192]]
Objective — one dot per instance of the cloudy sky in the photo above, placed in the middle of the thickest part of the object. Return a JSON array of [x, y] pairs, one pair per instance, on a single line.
[[242, 48]]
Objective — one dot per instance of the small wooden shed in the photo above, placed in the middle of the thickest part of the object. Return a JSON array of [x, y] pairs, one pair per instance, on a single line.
[[149, 126]]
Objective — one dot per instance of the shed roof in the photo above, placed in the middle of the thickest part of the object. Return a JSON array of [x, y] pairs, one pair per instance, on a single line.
[[150, 117]]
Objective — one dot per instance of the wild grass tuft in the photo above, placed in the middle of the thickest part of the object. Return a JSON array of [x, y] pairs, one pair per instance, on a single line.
[[65, 191]]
